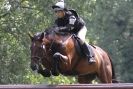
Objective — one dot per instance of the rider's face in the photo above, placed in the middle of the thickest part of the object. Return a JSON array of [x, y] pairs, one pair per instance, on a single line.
[[60, 14]]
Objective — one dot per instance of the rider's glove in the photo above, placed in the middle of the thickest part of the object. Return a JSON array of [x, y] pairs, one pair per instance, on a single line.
[[67, 28]]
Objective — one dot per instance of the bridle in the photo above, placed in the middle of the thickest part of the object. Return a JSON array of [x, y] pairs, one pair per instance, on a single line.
[[44, 56]]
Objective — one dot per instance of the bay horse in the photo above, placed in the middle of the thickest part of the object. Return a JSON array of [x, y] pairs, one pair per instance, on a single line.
[[51, 47]]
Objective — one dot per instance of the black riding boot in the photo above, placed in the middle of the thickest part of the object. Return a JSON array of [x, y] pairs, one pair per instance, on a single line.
[[88, 53]]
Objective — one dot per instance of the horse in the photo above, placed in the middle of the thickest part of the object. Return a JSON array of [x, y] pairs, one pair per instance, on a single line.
[[52, 48]]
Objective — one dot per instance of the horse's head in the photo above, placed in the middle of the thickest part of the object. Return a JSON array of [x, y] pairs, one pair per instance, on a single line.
[[44, 46], [37, 50]]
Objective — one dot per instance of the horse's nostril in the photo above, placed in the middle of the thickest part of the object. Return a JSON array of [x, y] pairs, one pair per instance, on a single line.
[[33, 67]]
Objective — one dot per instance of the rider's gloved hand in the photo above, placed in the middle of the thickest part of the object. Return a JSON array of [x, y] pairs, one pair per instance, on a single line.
[[62, 29], [67, 28]]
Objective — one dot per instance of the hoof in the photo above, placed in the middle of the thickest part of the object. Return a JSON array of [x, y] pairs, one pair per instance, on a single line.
[[55, 73], [45, 73]]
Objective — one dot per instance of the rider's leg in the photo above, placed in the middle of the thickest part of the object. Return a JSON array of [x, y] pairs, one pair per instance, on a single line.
[[88, 51], [82, 33]]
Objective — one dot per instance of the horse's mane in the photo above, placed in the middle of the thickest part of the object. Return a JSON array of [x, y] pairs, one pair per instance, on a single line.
[[46, 31], [37, 36], [49, 30]]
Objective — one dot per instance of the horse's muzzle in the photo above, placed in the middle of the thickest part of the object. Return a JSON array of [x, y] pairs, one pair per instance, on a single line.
[[34, 67]]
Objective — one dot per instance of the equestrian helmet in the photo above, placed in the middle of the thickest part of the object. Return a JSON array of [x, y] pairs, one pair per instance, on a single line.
[[59, 6]]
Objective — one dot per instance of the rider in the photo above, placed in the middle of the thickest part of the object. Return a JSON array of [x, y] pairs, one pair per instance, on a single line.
[[68, 20]]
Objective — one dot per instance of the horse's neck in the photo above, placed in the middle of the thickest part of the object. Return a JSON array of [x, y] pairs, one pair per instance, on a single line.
[[61, 41], [64, 41]]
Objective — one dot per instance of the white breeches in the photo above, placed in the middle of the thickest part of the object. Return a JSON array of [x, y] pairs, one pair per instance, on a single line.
[[82, 33]]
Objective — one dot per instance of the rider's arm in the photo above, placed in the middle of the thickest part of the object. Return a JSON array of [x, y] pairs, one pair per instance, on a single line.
[[70, 26], [72, 20]]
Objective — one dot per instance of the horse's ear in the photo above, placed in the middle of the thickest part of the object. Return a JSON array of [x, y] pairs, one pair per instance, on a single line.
[[42, 36], [30, 35]]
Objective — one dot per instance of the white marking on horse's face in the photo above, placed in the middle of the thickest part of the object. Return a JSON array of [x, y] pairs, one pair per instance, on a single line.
[[43, 46]]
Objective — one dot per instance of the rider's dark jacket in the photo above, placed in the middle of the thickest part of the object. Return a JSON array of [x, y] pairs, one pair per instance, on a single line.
[[70, 20]]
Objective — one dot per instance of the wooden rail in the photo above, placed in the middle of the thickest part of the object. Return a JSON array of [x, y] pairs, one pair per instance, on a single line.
[[75, 86]]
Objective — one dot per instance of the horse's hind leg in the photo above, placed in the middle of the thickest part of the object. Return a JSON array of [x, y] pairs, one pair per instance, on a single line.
[[86, 79]]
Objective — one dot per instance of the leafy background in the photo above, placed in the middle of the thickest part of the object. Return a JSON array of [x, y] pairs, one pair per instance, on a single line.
[[109, 23]]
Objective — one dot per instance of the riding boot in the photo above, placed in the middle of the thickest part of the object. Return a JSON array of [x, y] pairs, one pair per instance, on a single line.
[[88, 53]]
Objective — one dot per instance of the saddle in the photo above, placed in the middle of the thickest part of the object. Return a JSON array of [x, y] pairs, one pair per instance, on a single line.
[[78, 44]]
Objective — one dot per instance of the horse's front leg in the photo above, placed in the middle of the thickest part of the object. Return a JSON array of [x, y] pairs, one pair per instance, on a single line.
[[56, 58], [43, 72]]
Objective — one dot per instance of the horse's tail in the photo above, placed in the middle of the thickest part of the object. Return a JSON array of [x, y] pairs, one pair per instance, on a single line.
[[114, 80]]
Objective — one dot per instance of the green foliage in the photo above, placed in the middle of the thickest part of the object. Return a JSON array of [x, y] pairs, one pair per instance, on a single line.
[[109, 24]]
